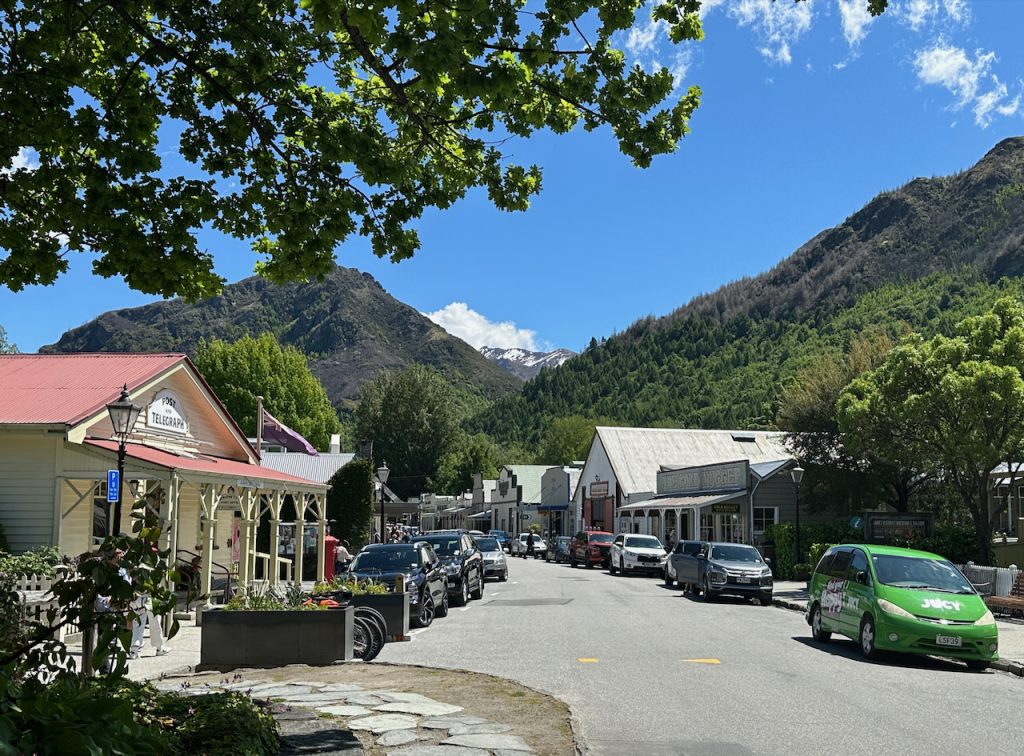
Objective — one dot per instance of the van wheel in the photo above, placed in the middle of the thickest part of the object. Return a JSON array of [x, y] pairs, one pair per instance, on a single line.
[[817, 632], [867, 637]]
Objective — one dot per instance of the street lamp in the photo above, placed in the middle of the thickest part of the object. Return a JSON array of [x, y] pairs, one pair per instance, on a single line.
[[123, 416], [797, 473], [382, 476]]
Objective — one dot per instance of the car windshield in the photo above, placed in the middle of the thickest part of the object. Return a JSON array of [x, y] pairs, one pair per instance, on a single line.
[[488, 544], [601, 538], [643, 542], [390, 560], [919, 573], [444, 546], [735, 553]]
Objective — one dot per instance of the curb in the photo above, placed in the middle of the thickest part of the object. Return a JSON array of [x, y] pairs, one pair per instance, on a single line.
[[1003, 665]]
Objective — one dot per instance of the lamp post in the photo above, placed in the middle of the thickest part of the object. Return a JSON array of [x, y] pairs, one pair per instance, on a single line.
[[797, 473], [382, 476], [123, 416]]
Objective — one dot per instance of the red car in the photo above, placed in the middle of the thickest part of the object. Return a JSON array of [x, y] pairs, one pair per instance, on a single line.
[[590, 547]]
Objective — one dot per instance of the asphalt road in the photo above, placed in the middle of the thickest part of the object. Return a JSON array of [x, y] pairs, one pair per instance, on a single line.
[[636, 662]]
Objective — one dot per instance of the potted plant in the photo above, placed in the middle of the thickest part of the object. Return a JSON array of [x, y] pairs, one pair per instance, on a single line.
[[258, 629], [353, 592]]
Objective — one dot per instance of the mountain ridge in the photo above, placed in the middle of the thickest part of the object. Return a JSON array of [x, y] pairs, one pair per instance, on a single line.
[[524, 363]]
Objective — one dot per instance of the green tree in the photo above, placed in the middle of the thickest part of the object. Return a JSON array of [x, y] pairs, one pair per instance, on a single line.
[[302, 122], [6, 347], [412, 418], [955, 403], [350, 502], [472, 454], [239, 372], [566, 439], [837, 478]]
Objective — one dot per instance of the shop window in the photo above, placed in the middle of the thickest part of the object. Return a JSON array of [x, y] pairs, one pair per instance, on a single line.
[[99, 513], [707, 527], [764, 517]]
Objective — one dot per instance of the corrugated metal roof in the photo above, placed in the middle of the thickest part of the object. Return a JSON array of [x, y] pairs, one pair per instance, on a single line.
[[674, 502], [320, 468], [214, 465], [529, 477], [636, 454], [67, 388]]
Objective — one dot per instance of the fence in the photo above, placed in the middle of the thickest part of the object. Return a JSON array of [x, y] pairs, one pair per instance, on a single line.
[[36, 600], [990, 581]]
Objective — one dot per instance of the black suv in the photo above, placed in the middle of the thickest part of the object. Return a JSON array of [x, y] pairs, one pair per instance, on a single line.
[[425, 578], [463, 563]]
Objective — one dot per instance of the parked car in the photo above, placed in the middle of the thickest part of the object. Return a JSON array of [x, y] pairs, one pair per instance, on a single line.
[[425, 578], [462, 561], [558, 549], [893, 599], [723, 569], [519, 546], [477, 533], [501, 536], [590, 547], [495, 564], [636, 553]]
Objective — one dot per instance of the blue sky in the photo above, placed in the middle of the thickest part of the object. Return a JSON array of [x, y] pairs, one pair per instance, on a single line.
[[809, 110]]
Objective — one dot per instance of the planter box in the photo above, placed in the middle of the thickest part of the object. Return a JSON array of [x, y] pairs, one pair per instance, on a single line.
[[394, 607], [274, 638]]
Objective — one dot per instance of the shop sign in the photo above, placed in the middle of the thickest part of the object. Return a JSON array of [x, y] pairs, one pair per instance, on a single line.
[[166, 414], [887, 527], [728, 476], [726, 507], [599, 489]]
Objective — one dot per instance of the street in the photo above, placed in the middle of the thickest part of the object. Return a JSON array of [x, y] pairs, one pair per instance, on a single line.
[[648, 670]]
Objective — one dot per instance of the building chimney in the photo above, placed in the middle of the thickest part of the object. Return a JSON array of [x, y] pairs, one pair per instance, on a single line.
[[335, 443]]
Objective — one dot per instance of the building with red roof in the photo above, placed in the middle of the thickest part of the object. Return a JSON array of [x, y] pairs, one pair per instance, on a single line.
[[188, 467]]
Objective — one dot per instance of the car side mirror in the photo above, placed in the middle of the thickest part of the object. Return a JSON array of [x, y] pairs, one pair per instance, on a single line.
[[768, 562], [862, 577]]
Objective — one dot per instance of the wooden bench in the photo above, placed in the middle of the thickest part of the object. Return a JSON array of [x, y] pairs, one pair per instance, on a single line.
[[1013, 602]]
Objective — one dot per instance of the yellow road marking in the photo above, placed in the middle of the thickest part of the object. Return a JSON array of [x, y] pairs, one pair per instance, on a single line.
[[702, 661], [588, 660]]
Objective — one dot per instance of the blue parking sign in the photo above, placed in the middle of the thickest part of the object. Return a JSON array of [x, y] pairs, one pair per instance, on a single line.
[[113, 485]]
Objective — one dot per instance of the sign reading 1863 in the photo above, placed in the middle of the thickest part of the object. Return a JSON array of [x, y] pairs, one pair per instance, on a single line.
[[165, 413]]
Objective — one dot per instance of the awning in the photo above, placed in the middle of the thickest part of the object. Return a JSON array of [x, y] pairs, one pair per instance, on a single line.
[[479, 515], [209, 465], [683, 502]]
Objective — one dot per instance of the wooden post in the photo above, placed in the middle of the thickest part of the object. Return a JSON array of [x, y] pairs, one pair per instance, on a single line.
[[321, 548]]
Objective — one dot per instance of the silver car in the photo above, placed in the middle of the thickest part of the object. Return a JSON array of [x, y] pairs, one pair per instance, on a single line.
[[495, 564]]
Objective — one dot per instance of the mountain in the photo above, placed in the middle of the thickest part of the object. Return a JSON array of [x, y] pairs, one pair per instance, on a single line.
[[350, 328], [921, 256], [523, 363]]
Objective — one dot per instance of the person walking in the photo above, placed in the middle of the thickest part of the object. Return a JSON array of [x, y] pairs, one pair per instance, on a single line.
[[342, 557], [529, 547], [143, 606]]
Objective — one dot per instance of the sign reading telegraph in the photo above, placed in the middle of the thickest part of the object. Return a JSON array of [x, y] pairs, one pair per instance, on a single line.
[[165, 414]]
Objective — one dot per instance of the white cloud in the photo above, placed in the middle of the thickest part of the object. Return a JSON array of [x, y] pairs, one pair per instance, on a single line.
[[477, 331], [919, 14], [778, 23], [969, 79], [957, 10], [855, 19], [642, 38], [26, 159]]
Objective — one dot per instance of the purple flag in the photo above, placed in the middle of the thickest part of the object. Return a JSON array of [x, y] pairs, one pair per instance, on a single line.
[[276, 432]]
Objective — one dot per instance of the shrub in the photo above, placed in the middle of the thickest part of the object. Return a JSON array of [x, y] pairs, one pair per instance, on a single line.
[[954, 541], [39, 561], [784, 538], [117, 716], [817, 552]]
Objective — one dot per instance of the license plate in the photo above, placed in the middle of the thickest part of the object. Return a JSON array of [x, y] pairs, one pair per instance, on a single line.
[[948, 640], [742, 580]]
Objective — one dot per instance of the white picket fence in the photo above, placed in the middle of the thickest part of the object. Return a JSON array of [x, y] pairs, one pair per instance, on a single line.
[[990, 581], [36, 600]]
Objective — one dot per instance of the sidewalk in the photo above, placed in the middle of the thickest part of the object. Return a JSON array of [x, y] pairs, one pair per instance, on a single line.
[[793, 595]]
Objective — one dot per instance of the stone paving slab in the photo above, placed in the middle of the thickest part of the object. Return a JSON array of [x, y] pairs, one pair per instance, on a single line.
[[489, 728], [444, 723], [344, 710], [438, 750], [490, 742], [318, 737], [423, 709], [397, 738], [384, 723]]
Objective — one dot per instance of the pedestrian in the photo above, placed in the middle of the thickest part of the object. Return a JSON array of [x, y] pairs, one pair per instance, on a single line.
[[342, 557], [143, 606], [376, 537], [529, 546], [104, 605]]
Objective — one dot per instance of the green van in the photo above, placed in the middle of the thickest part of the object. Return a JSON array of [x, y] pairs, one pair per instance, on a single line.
[[892, 599]]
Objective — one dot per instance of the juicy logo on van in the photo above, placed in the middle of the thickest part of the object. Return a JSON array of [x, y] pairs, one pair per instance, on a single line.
[[941, 604]]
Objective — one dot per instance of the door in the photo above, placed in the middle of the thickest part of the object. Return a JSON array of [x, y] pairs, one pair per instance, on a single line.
[[858, 594], [833, 595], [616, 555]]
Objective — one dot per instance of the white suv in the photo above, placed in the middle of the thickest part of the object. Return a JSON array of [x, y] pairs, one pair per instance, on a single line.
[[632, 552], [519, 546]]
